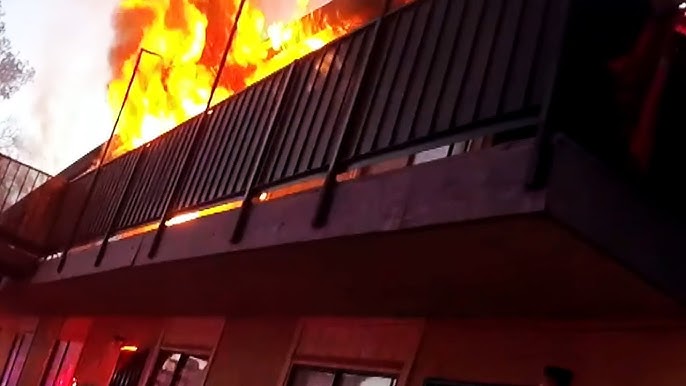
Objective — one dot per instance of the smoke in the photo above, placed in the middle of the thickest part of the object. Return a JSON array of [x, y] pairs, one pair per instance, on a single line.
[[287, 10], [64, 112]]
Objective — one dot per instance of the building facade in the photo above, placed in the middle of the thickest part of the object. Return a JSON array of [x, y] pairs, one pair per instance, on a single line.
[[461, 192]]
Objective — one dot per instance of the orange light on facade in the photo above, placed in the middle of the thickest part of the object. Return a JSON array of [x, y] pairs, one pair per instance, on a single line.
[[128, 348], [190, 216], [134, 232]]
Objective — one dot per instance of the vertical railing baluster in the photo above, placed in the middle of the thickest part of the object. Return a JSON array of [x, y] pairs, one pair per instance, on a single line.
[[177, 182], [327, 191]]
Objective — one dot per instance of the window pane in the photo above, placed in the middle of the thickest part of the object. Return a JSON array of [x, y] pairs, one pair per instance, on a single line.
[[303, 377], [168, 362], [193, 372], [365, 380]]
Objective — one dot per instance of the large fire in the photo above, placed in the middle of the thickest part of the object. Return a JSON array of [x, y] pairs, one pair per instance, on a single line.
[[189, 36]]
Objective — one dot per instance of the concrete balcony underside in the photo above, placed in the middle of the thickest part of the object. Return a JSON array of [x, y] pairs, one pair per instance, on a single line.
[[456, 237]]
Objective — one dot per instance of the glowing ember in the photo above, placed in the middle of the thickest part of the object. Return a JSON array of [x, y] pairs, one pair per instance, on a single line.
[[189, 36]]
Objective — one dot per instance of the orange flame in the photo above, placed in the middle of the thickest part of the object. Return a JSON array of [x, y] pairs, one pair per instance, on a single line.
[[189, 36]]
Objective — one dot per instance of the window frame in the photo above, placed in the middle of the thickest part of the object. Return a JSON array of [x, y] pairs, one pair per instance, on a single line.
[[453, 382], [338, 373], [184, 354]]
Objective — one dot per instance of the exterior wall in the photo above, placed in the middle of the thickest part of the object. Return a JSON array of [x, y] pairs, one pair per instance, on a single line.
[[192, 333], [510, 354], [378, 345], [101, 350], [262, 351], [252, 352]]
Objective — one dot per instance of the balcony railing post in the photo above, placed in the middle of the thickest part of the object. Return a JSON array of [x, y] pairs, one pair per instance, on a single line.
[[120, 207], [265, 148], [542, 156], [335, 166], [194, 141], [96, 174]]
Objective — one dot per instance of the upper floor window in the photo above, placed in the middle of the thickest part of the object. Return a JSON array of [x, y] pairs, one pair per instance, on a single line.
[[16, 359], [314, 377]]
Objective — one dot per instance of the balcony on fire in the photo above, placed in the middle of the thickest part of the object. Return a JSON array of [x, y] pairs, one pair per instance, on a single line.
[[552, 137]]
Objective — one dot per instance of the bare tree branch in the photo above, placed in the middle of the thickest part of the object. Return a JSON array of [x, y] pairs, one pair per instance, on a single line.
[[14, 72], [9, 134]]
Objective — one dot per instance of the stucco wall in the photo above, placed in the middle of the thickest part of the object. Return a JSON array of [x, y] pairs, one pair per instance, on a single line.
[[260, 351], [515, 353], [252, 352]]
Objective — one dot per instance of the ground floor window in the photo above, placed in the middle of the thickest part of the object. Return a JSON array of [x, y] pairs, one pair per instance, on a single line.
[[129, 367], [16, 359], [62, 364], [174, 368], [302, 376]]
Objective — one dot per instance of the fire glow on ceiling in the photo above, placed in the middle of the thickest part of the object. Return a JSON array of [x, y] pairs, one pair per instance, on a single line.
[[189, 37]]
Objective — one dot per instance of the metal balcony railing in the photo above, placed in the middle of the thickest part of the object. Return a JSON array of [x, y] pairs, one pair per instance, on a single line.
[[17, 180], [432, 73]]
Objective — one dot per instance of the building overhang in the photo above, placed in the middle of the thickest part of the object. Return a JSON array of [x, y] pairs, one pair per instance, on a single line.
[[462, 236]]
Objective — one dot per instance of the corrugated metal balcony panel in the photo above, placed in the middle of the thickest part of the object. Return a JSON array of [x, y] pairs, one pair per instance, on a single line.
[[230, 143], [152, 185], [107, 192], [212, 137], [70, 207], [140, 185], [443, 66], [313, 116], [174, 147], [31, 218]]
